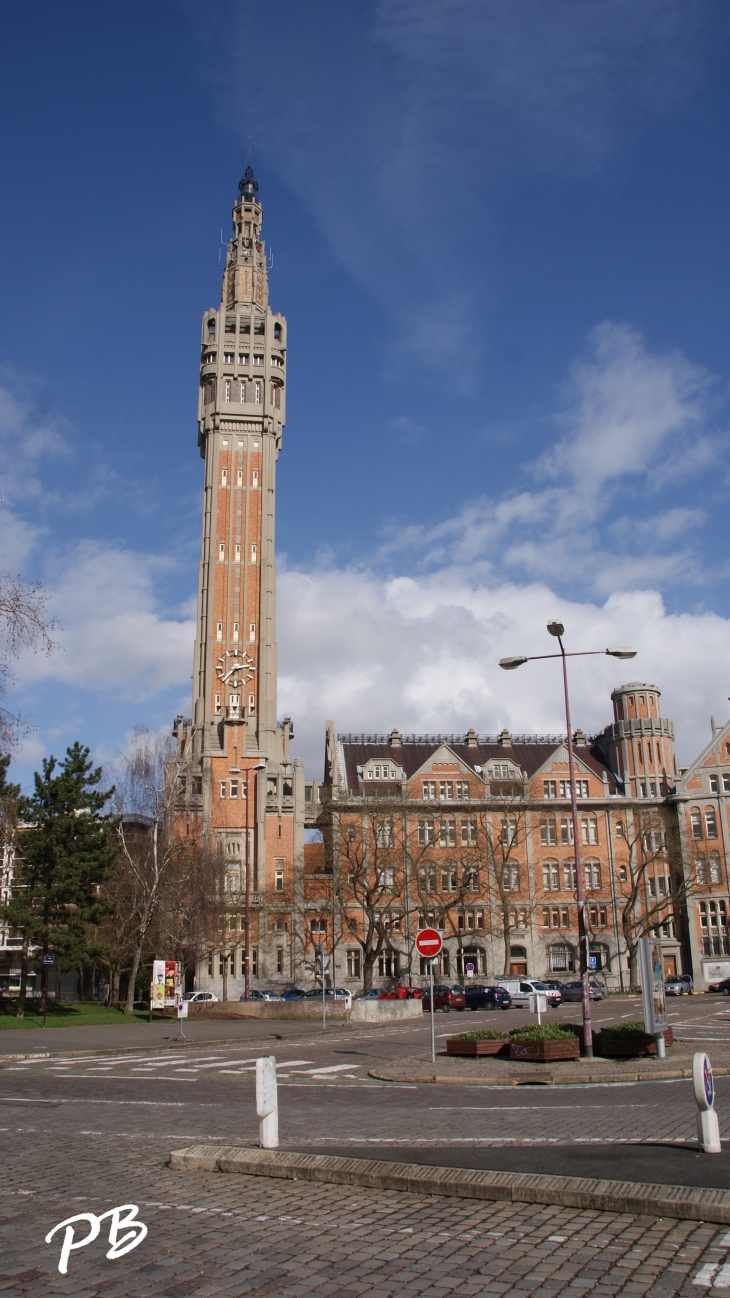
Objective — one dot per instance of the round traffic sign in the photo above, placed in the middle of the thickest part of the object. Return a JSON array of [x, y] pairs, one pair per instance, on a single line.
[[429, 943], [704, 1084]]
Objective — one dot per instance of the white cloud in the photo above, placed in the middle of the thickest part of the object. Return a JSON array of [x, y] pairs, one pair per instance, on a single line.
[[422, 654]]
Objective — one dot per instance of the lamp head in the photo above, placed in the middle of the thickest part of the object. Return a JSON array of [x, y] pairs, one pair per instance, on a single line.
[[509, 664], [556, 628], [623, 651]]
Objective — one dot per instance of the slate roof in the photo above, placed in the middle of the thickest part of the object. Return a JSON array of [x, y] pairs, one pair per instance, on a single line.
[[411, 756]]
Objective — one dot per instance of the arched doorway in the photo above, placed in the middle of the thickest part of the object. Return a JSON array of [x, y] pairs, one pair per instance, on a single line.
[[518, 961]]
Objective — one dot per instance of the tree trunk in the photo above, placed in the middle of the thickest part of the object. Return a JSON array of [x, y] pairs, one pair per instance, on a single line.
[[20, 1012], [507, 938], [368, 966], [224, 957], [129, 1007], [633, 954]]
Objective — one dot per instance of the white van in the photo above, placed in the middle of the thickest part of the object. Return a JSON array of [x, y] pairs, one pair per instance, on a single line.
[[520, 989]]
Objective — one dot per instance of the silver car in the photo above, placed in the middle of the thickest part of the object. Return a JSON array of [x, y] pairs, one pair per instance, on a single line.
[[679, 985], [574, 991]]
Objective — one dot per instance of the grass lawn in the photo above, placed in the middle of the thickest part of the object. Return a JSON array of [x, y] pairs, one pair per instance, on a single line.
[[67, 1016]]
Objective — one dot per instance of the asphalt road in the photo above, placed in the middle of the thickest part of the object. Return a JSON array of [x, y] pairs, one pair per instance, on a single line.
[[85, 1134]]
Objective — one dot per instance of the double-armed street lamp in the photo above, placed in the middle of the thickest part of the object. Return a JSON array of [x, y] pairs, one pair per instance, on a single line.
[[509, 664]]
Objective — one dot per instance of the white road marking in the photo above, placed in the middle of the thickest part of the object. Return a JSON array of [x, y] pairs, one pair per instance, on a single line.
[[333, 1068], [557, 1239]]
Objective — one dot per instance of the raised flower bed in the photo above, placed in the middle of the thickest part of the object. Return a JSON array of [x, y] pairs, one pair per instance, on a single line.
[[474, 1045], [628, 1040], [544, 1044]]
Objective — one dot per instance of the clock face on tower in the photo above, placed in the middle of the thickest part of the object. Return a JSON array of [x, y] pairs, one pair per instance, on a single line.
[[235, 668]]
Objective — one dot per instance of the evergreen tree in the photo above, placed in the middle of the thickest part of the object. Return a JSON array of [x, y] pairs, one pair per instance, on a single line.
[[66, 846]]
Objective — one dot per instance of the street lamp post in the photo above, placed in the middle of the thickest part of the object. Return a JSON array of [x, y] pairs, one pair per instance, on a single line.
[[509, 664], [260, 766]]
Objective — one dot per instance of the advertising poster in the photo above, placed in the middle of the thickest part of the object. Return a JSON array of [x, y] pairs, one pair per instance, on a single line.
[[172, 982], [157, 1000], [652, 984]]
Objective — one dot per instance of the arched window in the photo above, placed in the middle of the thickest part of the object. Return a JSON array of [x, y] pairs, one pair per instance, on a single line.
[[211, 328], [518, 952], [277, 331], [561, 958], [601, 955], [695, 820]]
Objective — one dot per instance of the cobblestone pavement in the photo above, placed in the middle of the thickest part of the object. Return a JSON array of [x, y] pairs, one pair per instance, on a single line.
[[210, 1234]]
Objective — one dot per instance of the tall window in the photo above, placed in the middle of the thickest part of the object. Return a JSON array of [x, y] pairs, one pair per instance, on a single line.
[[353, 964], [715, 870], [427, 879], [470, 878], [714, 784], [569, 876], [386, 877], [592, 871], [551, 877], [462, 790], [447, 832], [589, 829], [581, 788], [448, 880], [548, 831], [710, 823], [468, 833], [566, 831], [384, 833], [446, 790], [726, 783], [429, 790], [695, 820], [549, 789], [713, 924], [511, 878], [426, 835], [279, 880], [509, 831]]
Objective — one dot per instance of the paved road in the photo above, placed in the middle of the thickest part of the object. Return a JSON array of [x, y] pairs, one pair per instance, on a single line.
[[85, 1135]]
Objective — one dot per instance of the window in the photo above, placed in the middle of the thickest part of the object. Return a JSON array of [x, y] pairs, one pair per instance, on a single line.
[[592, 875], [181, 784], [254, 552], [569, 877], [427, 880], [713, 924], [224, 477], [277, 331], [447, 832], [511, 878], [710, 823], [255, 482], [468, 833], [251, 704], [566, 831], [252, 631], [197, 786], [509, 832], [386, 877], [238, 554], [715, 871], [560, 959], [279, 880], [429, 790], [589, 829], [548, 831], [448, 880], [234, 788], [388, 965], [219, 631], [446, 790], [701, 870], [555, 917], [257, 393], [620, 829], [653, 841], [549, 789], [384, 834], [462, 789], [726, 783], [221, 550], [353, 964], [223, 788], [318, 926], [551, 877], [258, 359], [279, 960], [426, 834], [581, 788], [714, 784], [500, 772], [227, 389], [622, 874], [235, 630], [470, 879], [211, 327], [695, 820]]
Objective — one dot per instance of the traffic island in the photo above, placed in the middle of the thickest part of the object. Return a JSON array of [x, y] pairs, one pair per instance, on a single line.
[[683, 1202]]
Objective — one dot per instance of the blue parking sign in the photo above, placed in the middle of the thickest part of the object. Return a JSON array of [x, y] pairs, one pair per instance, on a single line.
[[591, 962]]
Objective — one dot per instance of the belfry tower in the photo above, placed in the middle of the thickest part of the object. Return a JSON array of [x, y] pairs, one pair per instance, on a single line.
[[238, 777]]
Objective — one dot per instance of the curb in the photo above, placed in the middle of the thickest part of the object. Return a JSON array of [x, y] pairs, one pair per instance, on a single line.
[[682, 1202], [541, 1078]]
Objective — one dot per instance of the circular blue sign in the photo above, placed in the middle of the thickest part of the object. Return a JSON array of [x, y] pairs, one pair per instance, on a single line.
[[709, 1082]]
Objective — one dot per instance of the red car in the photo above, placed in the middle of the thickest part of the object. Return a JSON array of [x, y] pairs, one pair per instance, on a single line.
[[444, 998]]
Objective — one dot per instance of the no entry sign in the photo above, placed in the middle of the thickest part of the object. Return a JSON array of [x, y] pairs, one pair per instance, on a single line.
[[429, 943]]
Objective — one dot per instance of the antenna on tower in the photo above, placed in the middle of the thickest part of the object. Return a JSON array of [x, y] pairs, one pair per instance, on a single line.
[[271, 258]]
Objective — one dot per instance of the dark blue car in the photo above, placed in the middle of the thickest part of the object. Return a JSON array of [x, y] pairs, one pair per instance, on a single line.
[[487, 998], [292, 994]]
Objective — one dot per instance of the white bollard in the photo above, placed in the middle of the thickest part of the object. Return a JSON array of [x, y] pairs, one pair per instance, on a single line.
[[267, 1104], [708, 1129]]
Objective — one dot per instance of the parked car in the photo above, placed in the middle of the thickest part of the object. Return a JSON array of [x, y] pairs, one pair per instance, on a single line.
[[679, 984], [445, 998], [200, 996], [520, 989], [723, 987], [487, 998], [293, 994], [256, 994], [574, 991], [331, 993], [372, 994]]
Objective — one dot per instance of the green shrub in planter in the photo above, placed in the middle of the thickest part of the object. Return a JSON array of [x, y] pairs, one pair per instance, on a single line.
[[486, 1034], [542, 1032], [622, 1031]]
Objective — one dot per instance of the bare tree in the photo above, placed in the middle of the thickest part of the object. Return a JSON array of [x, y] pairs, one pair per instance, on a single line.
[[156, 865], [501, 844], [23, 625], [369, 879], [652, 887]]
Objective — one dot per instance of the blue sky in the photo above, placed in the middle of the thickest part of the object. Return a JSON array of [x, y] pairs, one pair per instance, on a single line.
[[500, 238]]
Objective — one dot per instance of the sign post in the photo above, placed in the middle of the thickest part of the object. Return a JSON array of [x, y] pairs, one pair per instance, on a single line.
[[538, 1005], [428, 944], [267, 1103], [652, 991], [182, 1013], [708, 1130]]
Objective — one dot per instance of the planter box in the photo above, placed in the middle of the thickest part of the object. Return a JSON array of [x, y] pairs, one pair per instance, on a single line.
[[477, 1049], [629, 1047], [544, 1051]]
